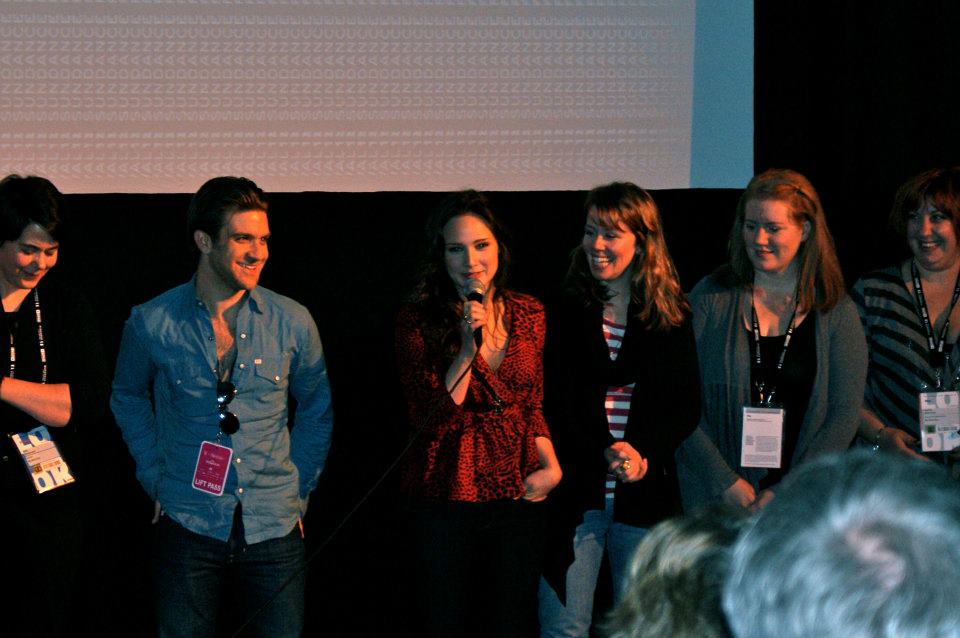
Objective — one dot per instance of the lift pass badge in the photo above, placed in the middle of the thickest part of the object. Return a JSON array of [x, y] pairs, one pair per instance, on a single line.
[[42, 457], [213, 463], [939, 421]]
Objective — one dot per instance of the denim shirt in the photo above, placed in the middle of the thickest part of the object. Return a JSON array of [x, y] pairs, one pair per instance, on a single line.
[[165, 402]]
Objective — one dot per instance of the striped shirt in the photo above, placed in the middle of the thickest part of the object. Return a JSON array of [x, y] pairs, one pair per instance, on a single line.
[[617, 401], [899, 355]]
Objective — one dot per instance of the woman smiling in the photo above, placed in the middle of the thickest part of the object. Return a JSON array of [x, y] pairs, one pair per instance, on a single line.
[[470, 353], [782, 353], [911, 316], [53, 384], [622, 392]]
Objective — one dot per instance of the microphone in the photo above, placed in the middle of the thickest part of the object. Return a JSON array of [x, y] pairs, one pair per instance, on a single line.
[[473, 291]]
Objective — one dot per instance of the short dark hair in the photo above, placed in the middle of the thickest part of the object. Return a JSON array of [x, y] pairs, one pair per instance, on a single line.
[[219, 198], [940, 187], [28, 200], [854, 544]]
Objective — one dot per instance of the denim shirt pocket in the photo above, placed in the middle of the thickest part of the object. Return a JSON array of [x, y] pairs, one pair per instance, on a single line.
[[270, 374], [192, 389]]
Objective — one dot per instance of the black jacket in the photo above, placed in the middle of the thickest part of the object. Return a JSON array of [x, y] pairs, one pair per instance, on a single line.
[[664, 410]]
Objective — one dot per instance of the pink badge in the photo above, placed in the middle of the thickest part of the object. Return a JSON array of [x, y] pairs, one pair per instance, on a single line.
[[213, 463]]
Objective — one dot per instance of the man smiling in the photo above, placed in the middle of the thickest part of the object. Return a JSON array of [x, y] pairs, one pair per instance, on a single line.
[[219, 357]]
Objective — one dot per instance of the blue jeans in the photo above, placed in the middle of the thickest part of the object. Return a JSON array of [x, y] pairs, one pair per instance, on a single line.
[[597, 533], [196, 575]]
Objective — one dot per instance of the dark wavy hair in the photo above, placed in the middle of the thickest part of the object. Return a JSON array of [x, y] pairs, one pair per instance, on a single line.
[[654, 287], [820, 280], [435, 291], [940, 187], [28, 200]]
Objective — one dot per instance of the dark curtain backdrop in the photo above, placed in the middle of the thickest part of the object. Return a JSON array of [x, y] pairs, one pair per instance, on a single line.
[[860, 96], [350, 258]]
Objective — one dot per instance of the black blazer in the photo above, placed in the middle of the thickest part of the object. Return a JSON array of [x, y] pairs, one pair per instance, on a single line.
[[664, 410]]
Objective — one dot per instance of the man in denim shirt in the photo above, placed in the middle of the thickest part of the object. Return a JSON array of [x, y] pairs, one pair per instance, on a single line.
[[201, 396]]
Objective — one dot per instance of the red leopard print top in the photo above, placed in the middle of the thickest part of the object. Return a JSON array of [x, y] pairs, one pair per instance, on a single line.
[[470, 452]]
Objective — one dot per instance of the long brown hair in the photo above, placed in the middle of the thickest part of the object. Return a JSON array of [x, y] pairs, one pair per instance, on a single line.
[[654, 286], [819, 280]]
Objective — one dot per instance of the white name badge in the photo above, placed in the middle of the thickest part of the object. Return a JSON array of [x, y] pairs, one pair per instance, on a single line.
[[213, 463], [939, 421], [42, 457], [762, 443]]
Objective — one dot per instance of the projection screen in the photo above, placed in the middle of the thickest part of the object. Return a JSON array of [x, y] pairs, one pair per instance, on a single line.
[[337, 95]]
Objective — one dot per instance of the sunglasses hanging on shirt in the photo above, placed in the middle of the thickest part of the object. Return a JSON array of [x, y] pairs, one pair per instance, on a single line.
[[229, 423]]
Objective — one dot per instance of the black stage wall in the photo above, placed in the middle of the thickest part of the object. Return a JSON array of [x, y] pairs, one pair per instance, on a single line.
[[859, 95]]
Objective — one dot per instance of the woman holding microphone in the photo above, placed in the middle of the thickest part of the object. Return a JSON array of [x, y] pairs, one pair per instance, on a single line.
[[470, 354]]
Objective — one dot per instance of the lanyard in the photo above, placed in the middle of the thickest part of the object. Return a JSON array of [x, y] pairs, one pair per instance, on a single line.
[[761, 385], [43, 349], [935, 346]]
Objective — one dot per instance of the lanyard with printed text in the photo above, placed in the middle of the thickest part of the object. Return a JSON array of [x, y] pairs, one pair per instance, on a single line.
[[766, 398], [43, 349], [935, 345]]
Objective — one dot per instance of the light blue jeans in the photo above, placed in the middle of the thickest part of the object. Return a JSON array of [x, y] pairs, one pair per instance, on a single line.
[[597, 532]]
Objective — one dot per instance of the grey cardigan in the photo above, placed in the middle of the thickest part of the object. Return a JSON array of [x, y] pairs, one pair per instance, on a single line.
[[709, 460]]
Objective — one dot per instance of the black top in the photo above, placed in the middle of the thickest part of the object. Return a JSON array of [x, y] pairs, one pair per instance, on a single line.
[[794, 383], [74, 356]]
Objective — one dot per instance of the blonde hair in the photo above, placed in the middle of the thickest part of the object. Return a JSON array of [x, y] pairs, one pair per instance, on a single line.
[[676, 578]]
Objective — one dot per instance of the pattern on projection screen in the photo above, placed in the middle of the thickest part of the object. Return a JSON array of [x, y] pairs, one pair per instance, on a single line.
[[348, 95]]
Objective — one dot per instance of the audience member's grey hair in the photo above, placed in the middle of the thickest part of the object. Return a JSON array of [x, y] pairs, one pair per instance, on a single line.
[[856, 545]]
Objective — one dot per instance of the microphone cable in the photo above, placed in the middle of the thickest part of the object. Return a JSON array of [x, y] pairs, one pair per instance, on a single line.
[[363, 499]]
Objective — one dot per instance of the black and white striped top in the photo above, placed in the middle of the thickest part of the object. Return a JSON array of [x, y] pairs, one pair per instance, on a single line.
[[899, 365]]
